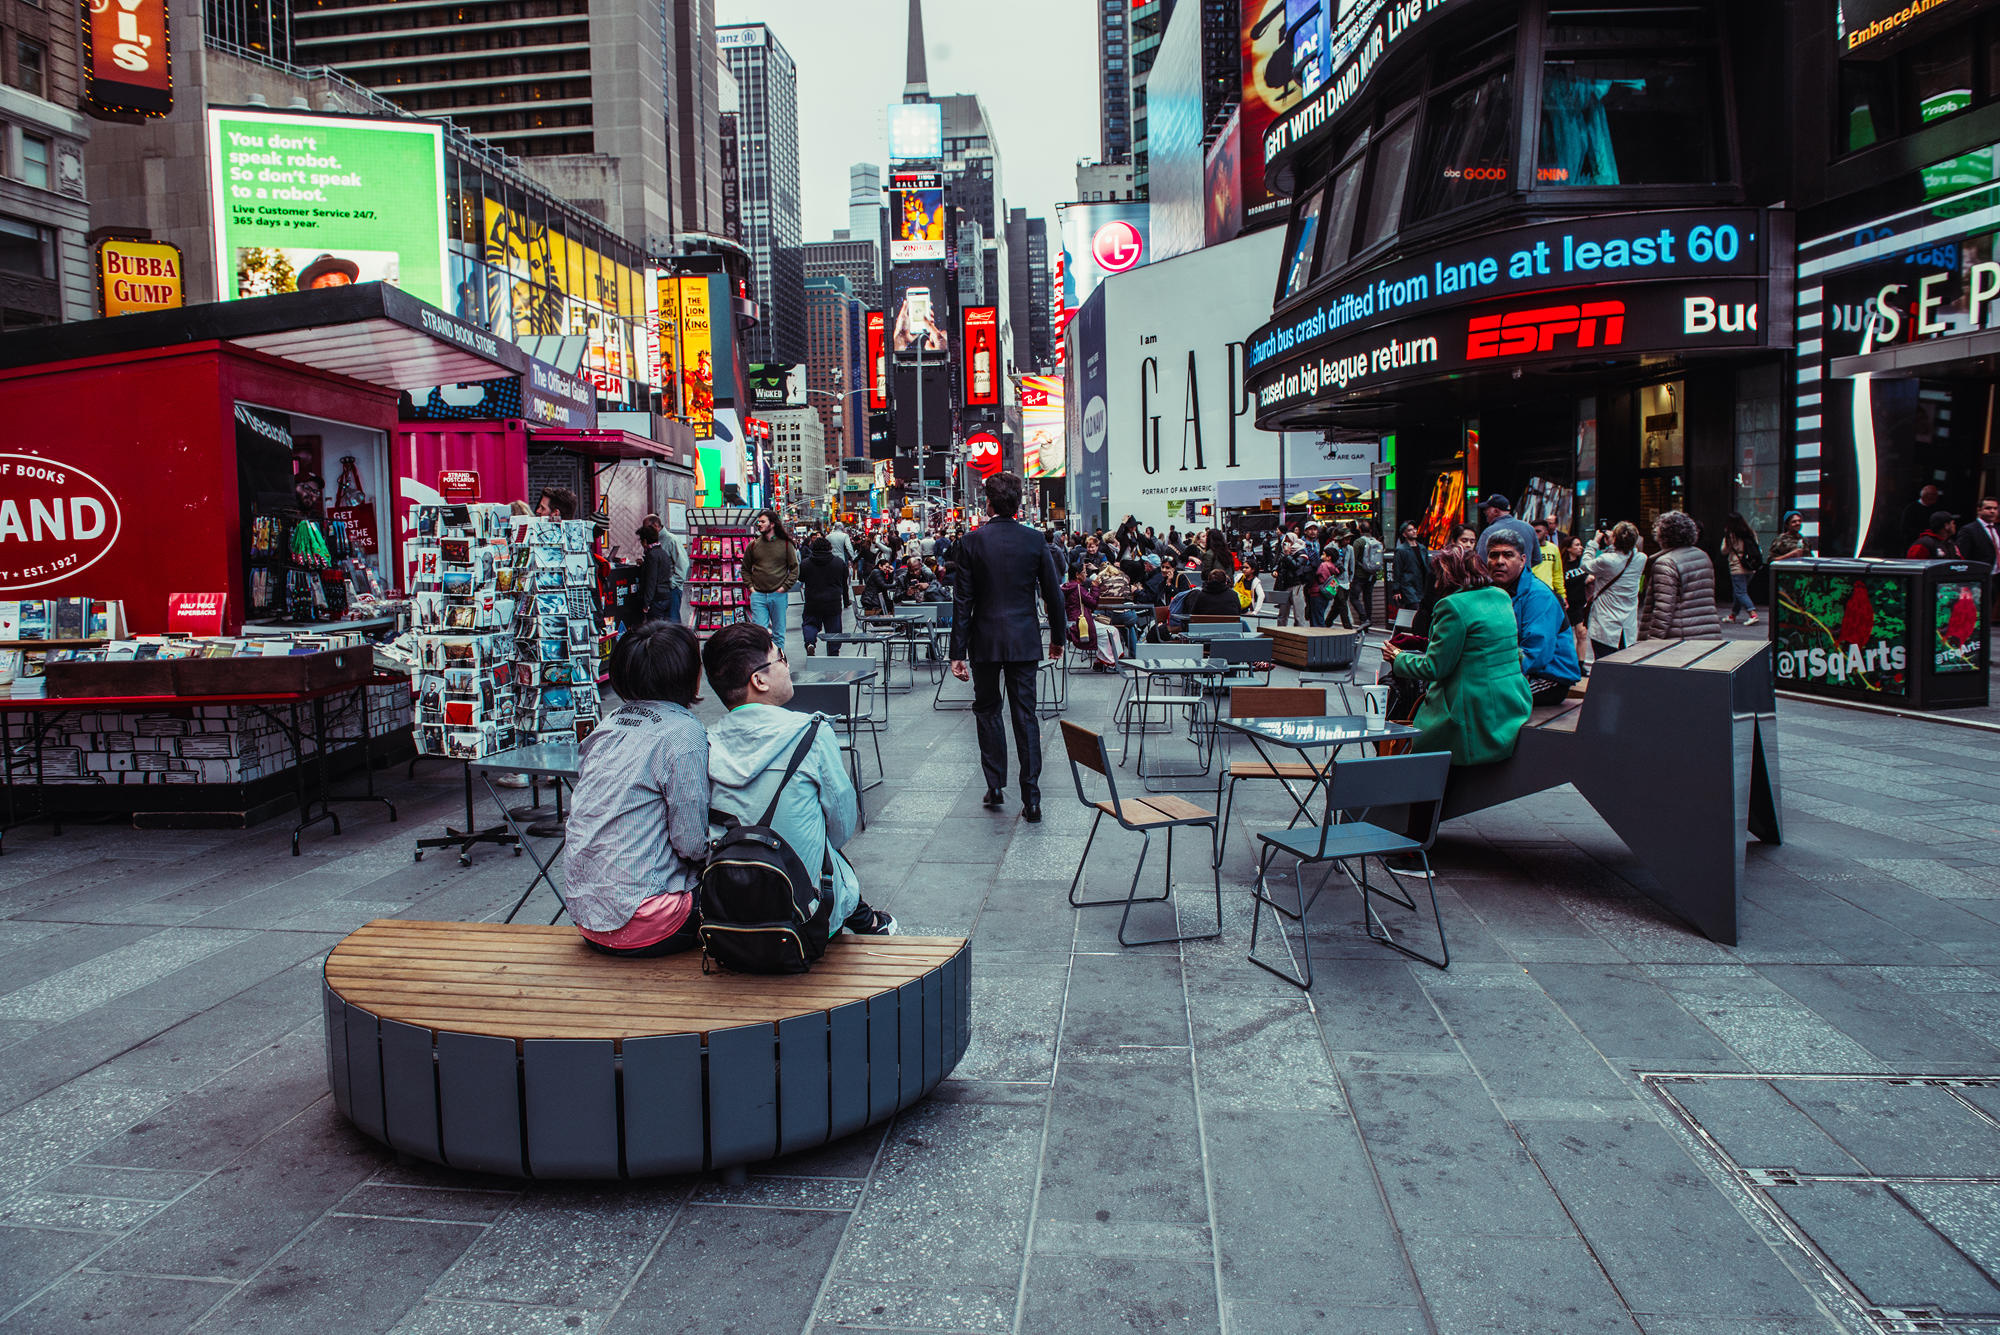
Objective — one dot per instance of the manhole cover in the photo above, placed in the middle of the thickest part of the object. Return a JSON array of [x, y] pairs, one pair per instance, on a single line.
[[1890, 1184]]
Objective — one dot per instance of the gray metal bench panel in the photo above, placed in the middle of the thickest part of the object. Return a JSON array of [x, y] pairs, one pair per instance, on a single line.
[[882, 1055], [479, 1102], [964, 959], [571, 1095], [933, 989], [948, 1029], [803, 1077], [664, 1131], [848, 1077], [364, 1071], [409, 1090], [742, 1095], [336, 1050], [910, 1043]]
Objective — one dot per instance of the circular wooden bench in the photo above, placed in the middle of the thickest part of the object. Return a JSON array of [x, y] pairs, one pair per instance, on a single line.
[[516, 1049]]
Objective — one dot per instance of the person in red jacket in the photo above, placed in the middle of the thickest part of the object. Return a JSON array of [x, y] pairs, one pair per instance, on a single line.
[[1938, 541]]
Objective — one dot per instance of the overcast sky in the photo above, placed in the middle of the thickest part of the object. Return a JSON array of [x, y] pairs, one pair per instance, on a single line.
[[1032, 62]]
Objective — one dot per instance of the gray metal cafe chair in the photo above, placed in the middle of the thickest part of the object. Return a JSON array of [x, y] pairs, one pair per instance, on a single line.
[[1142, 816], [1354, 788]]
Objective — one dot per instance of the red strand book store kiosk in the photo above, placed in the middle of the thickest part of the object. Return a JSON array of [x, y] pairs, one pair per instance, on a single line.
[[139, 453]]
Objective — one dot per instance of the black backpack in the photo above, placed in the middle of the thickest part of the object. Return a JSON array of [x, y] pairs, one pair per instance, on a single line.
[[761, 910]]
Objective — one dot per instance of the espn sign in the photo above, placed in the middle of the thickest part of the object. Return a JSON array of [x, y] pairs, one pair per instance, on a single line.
[[1588, 324]]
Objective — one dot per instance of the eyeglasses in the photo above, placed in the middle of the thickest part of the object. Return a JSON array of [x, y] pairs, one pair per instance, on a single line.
[[775, 661]]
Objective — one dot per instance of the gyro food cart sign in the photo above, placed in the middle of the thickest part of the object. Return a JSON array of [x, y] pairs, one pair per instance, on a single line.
[[55, 521]]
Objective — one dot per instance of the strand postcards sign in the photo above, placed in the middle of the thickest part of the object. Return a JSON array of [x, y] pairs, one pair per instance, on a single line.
[[128, 68]]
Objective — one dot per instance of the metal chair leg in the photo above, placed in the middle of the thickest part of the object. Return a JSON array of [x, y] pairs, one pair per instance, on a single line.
[[1077, 879], [1302, 979], [1132, 898], [1371, 921]]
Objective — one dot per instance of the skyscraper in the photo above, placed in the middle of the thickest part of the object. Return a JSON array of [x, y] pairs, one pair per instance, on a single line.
[[857, 259], [693, 116], [864, 208], [1148, 25], [1114, 89], [829, 364], [1028, 290], [768, 153]]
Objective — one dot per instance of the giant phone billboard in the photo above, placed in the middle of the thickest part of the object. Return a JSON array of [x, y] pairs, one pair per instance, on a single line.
[[304, 201]]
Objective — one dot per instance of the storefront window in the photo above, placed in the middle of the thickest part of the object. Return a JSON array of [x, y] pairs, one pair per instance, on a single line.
[[1385, 189], [1468, 150], [1337, 226], [1758, 441], [1305, 231], [1867, 111], [1628, 120], [1662, 453], [1938, 82]]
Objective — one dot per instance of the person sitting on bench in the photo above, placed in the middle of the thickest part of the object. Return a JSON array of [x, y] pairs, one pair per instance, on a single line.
[[1216, 598], [638, 829], [749, 750], [1548, 650], [1478, 698]]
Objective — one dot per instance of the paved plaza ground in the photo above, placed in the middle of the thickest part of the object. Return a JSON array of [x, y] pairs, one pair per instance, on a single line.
[[1596, 1120]]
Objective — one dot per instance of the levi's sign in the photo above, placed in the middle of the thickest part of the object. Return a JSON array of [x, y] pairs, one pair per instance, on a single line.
[[55, 520], [1590, 324], [1615, 248]]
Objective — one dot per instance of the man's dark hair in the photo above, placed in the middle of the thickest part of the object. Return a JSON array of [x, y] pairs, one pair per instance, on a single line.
[[1459, 529], [1505, 538], [731, 655], [1003, 494], [1215, 581], [648, 534], [561, 499], [660, 660]]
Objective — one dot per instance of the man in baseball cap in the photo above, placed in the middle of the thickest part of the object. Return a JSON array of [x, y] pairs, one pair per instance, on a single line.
[[1498, 512], [329, 271]]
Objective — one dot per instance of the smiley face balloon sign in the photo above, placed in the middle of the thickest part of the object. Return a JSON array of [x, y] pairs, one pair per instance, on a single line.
[[983, 450]]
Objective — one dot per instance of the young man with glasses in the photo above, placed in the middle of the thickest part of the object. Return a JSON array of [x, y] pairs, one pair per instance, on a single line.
[[749, 750]]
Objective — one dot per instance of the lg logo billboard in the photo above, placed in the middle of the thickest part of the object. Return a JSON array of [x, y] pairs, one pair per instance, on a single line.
[[1117, 246]]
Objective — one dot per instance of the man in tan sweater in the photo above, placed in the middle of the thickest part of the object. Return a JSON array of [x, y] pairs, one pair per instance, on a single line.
[[772, 567]]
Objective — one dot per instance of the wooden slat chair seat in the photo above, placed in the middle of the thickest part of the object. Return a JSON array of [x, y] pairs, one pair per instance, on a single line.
[[1271, 769], [516, 1049], [1142, 816]]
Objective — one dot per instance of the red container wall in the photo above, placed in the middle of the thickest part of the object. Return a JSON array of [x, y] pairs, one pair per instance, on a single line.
[[498, 451]]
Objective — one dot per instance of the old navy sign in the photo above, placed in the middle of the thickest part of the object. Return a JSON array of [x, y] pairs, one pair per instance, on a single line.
[[1672, 243], [1586, 324]]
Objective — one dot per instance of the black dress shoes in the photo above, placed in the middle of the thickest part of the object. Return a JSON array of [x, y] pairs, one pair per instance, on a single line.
[[1032, 813], [993, 798]]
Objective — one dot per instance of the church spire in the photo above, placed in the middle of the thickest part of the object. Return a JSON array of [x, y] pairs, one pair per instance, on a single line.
[[916, 81]]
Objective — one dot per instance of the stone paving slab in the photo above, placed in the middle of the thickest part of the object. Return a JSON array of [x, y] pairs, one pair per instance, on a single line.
[[1161, 1139]]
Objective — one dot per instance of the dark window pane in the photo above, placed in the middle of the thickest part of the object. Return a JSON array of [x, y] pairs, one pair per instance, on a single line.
[[1338, 223], [1620, 120], [23, 248], [1385, 186], [1468, 146], [1867, 115], [1645, 24], [1305, 233], [1937, 80]]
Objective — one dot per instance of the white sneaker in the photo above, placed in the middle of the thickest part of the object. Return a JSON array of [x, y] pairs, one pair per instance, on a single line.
[[512, 780]]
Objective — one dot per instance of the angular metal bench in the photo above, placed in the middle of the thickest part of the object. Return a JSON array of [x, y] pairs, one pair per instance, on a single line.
[[515, 1049], [1698, 718]]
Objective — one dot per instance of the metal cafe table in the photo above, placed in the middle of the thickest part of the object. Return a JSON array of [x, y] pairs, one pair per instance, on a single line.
[[554, 760], [829, 688], [1189, 670], [1327, 733]]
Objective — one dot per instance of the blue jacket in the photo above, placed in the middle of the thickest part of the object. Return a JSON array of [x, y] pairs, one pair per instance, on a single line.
[[1548, 649]]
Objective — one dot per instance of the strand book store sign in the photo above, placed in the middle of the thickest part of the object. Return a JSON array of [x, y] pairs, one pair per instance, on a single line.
[[322, 201], [1583, 290]]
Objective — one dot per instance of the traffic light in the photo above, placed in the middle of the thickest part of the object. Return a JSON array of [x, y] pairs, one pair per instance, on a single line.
[[881, 435]]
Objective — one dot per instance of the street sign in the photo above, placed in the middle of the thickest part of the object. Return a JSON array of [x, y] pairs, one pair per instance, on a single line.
[[1380, 469]]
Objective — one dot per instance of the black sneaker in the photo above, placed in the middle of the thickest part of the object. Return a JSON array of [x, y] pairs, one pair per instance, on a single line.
[[865, 921]]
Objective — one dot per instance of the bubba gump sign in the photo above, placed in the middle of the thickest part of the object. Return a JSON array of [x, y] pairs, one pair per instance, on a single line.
[[138, 276], [128, 70]]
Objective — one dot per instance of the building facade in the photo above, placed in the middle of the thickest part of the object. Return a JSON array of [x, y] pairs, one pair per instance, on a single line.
[[45, 262], [858, 261], [864, 210], [830, 362], [1114, 88], [1592, 318], [798, 456], [768, 158], [1106, 180]]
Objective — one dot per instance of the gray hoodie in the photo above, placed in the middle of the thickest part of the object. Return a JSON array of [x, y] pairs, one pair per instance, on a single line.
[[747, 754]]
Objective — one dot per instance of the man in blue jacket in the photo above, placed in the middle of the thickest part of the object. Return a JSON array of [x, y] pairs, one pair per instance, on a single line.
[[1548, 648]]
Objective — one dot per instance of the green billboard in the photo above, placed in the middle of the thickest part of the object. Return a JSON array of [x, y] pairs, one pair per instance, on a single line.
[[304, 201]]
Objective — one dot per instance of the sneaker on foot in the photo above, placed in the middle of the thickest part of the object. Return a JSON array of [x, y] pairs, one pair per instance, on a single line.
[[865, 921], [1750, 620], [511, 780]]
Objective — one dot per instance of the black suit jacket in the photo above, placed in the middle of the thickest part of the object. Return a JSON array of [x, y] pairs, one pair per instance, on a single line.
[[1002, 566], [1973, 544]]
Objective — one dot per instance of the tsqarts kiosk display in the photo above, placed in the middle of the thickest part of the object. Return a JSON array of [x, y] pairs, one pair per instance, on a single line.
[[1909, 633]]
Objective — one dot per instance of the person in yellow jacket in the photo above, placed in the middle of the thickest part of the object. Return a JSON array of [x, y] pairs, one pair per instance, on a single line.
[[1548, 556]]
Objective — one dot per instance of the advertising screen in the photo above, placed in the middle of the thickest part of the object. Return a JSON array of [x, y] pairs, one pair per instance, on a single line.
[[127, 68], [916, 219], [1842, 630], [878, 388], [1961, 627], [1875, 26], [1310, 29], [307, 201], [1042, 450], [919, 318], [981, 326], [1222, 182], [1100, 240], [916, 131], [697, 357], [1269, 91]]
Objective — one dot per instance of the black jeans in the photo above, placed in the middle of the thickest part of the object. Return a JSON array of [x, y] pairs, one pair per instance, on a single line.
[[1027, 728]]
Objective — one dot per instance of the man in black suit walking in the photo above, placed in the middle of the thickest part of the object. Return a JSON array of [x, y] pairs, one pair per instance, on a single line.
[[1002, 566]]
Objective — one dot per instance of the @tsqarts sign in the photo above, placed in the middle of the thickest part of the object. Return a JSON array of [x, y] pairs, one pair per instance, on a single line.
[[55, 521], [1581, 324], [1673, 243]]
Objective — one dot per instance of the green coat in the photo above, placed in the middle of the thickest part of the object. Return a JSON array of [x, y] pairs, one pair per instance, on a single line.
[[1478, 698]]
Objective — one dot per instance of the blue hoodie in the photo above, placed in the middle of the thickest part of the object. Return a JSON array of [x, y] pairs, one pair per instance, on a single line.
[[747, 754], [1548, 649]]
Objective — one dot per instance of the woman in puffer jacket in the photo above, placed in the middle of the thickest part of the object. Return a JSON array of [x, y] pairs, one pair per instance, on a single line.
[[1678, 600]]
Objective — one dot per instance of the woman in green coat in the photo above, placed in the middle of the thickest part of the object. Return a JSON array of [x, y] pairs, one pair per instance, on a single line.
[[1478, 698]]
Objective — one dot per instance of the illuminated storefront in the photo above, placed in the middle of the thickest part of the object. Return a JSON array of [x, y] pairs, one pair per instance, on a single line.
[[1530, 243]]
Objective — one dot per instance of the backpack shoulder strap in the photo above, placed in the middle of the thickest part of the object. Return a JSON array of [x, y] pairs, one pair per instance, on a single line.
[[798, 759]]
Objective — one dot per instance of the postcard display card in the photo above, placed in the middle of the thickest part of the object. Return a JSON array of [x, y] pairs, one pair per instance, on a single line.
[[556, 629], [462, 569]]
